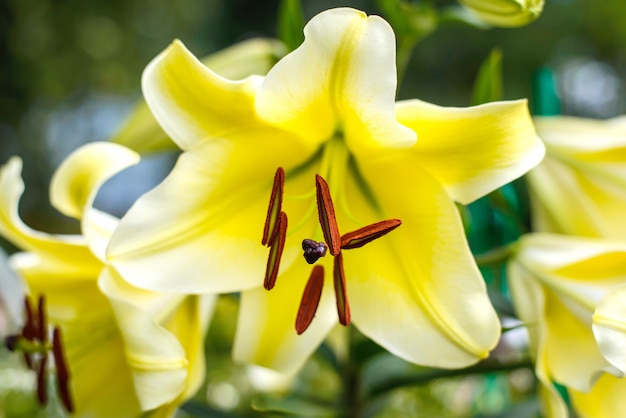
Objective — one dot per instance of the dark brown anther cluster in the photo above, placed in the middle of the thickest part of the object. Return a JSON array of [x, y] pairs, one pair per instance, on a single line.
[[34, 345], [274, 235]]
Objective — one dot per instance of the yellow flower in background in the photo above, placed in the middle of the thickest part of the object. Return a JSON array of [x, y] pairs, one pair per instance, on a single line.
[[326, 110], [141, 132], [556, 284], [580, 186], [605, 400], [123, 353], [505, 13]]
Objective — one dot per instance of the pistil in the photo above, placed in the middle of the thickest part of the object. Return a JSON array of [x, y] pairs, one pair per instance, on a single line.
[[313, 250]]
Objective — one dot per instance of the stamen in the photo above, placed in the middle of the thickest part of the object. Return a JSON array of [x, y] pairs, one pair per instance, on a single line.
[[42, 380], [63, 375], [42, 323], [313, 250], [274, 209], [276, 251], [30, 327], [326, 212], [30, 331], [310, 299], [362, 236], [343, 308]]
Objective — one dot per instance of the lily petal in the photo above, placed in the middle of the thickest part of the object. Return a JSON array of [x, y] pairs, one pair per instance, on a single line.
[[531, 311], [417, 291], [155, 356], [101, 382], [76, 182], [609, 327], [141, 131], [605, 400], [62, 247], [473, 151], [344, 70], [266, 333], [570, 341], [192, 103], [205, 240]]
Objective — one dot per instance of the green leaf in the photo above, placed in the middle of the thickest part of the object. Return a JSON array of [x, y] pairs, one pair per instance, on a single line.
[[291, 23], [488, 84]]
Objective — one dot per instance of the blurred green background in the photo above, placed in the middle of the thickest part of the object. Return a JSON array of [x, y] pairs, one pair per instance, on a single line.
[[70, 71]]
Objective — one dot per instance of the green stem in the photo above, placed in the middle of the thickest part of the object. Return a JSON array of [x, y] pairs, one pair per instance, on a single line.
[[352, 401], [487, 366]]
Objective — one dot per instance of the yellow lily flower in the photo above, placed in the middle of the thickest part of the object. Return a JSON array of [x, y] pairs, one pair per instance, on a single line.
[[131, 339], [580, 186], [505, 13], [324, 111], [556, 284], [141, 132]]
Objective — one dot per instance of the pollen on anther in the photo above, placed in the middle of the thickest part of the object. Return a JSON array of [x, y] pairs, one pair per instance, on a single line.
[[63, 374], [326, 212], [310, 299], [276, 251], [273, 211]]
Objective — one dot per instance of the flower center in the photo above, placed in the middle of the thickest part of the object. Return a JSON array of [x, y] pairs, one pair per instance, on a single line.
[[275, 231], [34, 345]]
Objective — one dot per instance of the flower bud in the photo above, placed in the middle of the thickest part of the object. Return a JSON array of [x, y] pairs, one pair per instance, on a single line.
[[505, 13]]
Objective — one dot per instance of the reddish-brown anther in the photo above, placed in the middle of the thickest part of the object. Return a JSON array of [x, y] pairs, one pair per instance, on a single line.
[[326, 211], [276, 251], [310, 299], [63, 374], [42, 381], [273, 211], [30, 330], [42, 323], [362, 236], [339, 278]]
